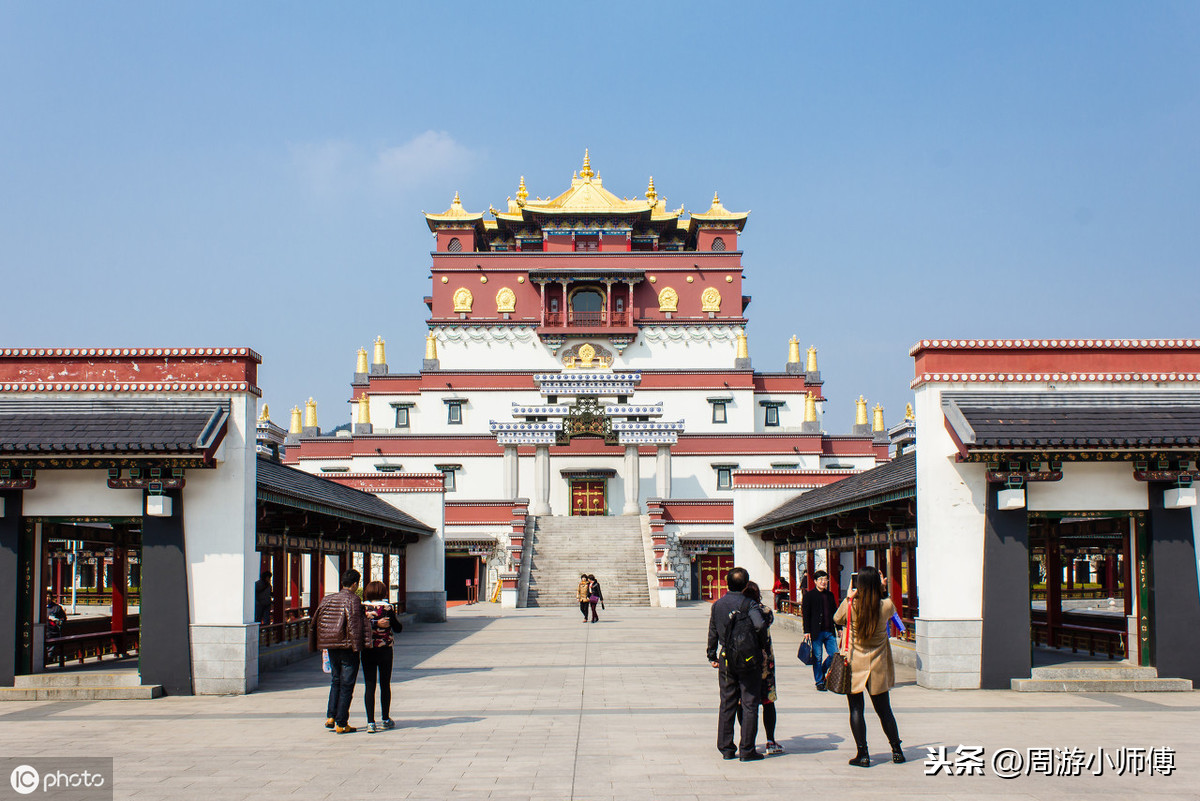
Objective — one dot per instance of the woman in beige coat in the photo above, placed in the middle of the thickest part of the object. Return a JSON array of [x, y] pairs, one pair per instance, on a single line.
[[871, 668]]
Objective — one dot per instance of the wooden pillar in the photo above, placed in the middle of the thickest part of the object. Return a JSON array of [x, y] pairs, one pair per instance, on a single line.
[[910, 600], [366, 571], [316, 578], [278, 583], [387, 574], [792, 573], [1053, 585], [294, 580], [833, 566], [893, 577], [810, 568], [1126, 575], [119, 607], [402, 583]]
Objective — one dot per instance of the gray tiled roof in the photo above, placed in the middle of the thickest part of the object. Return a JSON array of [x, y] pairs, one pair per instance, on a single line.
[[40, 426], [1092, 420], [283, 484], [897, 477]]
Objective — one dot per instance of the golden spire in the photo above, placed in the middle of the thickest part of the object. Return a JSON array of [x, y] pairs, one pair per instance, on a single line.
[[651, 194], [586, 173], [810, 407], [265, 414], [811, 367], [456, 202], [522, 192], [379, 357], [295, 427], [364, 409], [908, 412], [743, 349], [361, 365], [310, 414], [430, 346], [716, 200], [877, 423], [793, 351], [860, 416]]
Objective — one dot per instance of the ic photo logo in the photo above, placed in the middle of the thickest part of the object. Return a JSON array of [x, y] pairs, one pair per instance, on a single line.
[[24, 779]]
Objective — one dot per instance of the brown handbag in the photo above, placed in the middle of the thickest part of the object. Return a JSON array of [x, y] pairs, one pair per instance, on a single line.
[[837, 677]]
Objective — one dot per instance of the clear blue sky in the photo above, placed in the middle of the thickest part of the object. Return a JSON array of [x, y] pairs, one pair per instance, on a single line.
[[253, 173]]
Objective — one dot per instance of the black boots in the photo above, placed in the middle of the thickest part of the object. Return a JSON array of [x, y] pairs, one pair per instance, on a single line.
[[897, 753], [862, 759]]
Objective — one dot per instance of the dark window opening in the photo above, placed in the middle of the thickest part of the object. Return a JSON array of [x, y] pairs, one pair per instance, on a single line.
[[454, 245], [718, 244], [772, 416]]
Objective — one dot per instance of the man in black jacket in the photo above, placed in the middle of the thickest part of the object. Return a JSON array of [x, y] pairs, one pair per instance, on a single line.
[[816, 609], [739, 682]]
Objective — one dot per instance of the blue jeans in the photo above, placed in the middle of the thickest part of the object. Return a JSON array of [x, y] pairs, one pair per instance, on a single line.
[[827, 641], [344, 676]]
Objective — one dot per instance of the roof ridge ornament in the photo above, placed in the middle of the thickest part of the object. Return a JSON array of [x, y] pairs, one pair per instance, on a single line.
[[586, 172], [651, 194], [522, 192]]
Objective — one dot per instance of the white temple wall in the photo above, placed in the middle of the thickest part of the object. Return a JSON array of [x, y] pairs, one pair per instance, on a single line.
[[425, 576], [79, 493], [1089, 486]]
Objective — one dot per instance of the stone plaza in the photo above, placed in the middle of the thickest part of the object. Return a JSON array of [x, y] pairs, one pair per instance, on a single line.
[[529, 704]]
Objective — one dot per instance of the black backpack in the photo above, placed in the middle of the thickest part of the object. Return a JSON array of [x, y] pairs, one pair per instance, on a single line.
[[743, 647]]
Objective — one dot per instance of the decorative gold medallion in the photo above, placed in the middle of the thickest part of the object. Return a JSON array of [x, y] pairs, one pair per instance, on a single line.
[[587, 354], [668, 300], [463, 299], [710, 300], [506, 300]]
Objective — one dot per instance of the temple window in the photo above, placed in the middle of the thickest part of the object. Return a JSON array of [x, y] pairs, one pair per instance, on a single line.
[[771, 417], [454, 414], [454, 245], [402, 414], [587, 243], [724, 475], [718, 244], [587, 307], [719, 412], [448, 472]]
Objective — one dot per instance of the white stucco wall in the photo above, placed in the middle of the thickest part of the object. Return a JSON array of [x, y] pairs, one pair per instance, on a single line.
[[1089, 486], [79, 493]]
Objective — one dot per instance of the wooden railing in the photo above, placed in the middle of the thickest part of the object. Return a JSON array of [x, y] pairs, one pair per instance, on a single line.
[[1091, 593], [98, 597], [1094, 633], [99, 644], [294, 627], [581, 318]]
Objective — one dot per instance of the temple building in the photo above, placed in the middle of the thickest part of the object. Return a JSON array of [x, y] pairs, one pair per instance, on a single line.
[[587, 378]]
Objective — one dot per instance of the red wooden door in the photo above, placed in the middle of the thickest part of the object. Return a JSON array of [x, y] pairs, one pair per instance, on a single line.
[[713, 568]]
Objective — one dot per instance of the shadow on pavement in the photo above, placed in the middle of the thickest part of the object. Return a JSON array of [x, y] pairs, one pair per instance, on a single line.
[[812, 743]]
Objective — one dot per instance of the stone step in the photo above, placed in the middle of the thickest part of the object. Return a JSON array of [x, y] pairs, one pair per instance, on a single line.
[[142, 692], [79, 678], [1116, 670], [1099, 685]]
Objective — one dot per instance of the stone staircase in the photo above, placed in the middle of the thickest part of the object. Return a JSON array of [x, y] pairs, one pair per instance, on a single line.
[[1095, 677], [610, 548], [83, 685]]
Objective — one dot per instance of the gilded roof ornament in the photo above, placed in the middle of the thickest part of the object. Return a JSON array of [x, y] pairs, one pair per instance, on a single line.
[[810, 407], [380, 358], [310, 414], [877, 423], [811, 366], [586, 172], [860, 413], [522, 192], [295, 427], [265, 414], [651, 194], [908, 412], [364, 409], [431, 346], [360, 365]]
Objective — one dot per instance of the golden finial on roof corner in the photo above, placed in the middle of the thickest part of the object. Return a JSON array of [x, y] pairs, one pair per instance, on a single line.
[[364, 409], [651, 194], [380, 358], [811, 367], [877, 423], [456, 202], [810, 407], [360, 365], [310, 414], [431, 346], [716, 200], [295, 428], [522, 192], [265, 415], [586, 171], [908, 412], [860, 414]]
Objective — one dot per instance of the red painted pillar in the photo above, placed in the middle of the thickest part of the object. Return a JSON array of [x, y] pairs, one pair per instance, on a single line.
[[893, 577], [366, 571], [810, 569], [1126, 575], [297, 579], [316, 581], [59, 566], [1053, 586], [402, 583], [120, 563], [833, 566], [910, 602], [387, 574], [792, 574], [278, 584]]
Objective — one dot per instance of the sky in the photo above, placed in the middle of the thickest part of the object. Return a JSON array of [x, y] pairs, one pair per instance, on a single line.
[[236, 174]]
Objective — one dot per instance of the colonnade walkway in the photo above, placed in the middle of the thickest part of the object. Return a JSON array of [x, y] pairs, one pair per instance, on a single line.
[[533, 704]]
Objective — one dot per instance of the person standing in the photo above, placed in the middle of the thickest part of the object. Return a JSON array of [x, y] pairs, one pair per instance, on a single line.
[[56, 618], [337, 626], [262, 598], [595, 596], [735, 629], [816, 609], [582, 594], [380, 627], [769, 694], [871, 669], [781, 590]]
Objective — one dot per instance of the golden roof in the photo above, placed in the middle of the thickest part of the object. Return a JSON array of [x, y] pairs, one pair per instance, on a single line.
[[718, 213], [587, 195], [456, 213]]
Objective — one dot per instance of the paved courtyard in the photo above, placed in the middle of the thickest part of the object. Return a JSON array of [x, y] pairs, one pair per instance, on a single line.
[[534, 705]]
